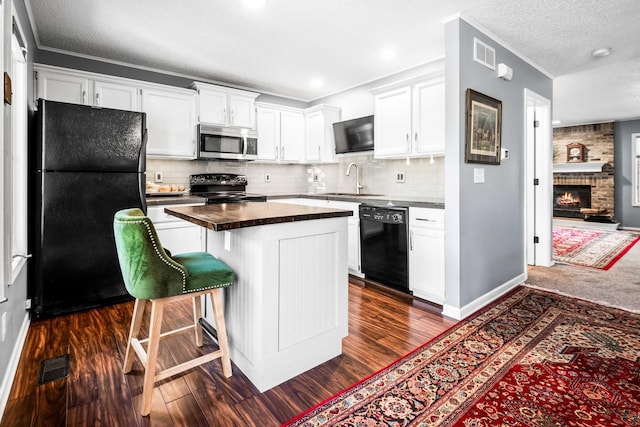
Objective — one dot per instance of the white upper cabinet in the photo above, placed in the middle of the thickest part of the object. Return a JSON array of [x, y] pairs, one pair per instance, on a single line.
[[116, 95], [78, 87], [392, 124], [280, 133], [221, 106], [409, 118], [292, 134], [171, 122], [428, 117], [62, 86], [319, 145]]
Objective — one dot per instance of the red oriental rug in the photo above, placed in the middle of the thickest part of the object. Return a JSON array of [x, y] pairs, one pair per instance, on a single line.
[[591, 248], [531, 359]]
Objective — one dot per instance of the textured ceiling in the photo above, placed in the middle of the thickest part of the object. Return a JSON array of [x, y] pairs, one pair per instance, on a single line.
[[280, 48]]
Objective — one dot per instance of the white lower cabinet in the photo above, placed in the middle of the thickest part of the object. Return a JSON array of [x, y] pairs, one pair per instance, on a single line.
[[175, 234], [353, 231], [426, 253]]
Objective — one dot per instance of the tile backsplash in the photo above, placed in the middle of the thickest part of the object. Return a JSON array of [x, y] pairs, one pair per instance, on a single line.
[[422, 178]]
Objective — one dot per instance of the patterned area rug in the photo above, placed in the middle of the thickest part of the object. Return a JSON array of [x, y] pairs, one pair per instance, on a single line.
[[531, 359], [590, 248]]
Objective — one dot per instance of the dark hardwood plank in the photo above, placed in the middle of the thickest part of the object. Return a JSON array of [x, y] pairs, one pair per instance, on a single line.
[[382, 328]]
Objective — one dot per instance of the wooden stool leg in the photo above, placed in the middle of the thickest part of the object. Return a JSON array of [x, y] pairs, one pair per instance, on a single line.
[[197, 314], [221, 329], [157, 307], [136, 322]]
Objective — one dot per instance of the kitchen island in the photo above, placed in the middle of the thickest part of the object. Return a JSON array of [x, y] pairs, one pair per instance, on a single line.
[[287, 309]]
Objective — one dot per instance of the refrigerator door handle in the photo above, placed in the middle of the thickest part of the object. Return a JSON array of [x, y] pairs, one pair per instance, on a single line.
[[142, 166]]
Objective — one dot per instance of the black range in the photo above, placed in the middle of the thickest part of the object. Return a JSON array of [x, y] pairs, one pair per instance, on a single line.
[[222, 188]]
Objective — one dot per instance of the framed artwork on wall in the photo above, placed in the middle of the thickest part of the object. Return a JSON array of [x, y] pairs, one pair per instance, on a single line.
[[483, 131]]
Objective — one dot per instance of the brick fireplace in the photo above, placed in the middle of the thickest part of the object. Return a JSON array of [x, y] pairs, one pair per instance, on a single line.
[[594, 173]]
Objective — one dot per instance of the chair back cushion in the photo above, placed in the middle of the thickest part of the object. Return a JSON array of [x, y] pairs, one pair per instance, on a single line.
[[148, 271]]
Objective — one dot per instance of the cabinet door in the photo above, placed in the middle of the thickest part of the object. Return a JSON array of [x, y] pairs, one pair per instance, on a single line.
[[291, 135], [426, 263], [268, 122], [62, 87], [392, 126], [181, 237], [314, 136], [170, 123], [212, 107], [242, 112], [428, 117], [115, 95]]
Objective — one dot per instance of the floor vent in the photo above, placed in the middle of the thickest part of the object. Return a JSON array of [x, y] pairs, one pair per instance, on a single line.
[[53, 369]]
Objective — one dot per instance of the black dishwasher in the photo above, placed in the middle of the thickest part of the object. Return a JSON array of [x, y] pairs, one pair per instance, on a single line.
[[383, 245]]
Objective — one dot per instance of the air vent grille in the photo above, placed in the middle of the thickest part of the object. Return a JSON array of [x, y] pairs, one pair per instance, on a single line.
[[484, 54]]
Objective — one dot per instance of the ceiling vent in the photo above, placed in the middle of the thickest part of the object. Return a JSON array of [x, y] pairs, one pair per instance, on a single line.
[[484, 54]]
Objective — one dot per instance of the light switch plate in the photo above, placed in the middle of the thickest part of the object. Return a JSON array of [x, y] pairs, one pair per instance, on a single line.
[[158, 177], [399, 176], [478, 175]]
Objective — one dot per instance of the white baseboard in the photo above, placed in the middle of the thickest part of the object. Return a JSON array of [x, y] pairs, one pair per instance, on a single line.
[[478, 303], [10, 372]]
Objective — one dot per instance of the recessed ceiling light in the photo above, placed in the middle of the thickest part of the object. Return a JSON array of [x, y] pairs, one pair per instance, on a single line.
[[388, 53], [316, 82], [599, 53]]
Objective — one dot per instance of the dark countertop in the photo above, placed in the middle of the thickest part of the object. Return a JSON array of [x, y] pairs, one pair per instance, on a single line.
[[174, 200], [378, 200], [229, 216]]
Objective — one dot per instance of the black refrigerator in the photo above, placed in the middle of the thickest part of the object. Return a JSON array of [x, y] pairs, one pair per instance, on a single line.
[[86, 163]]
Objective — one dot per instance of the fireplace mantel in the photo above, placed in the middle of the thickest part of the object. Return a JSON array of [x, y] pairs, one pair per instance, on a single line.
[[580, 167]]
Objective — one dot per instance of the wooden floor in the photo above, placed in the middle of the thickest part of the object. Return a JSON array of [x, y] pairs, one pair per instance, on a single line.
[[381, 329]]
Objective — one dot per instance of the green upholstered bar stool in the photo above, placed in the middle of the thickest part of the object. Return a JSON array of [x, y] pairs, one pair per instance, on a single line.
[[152, 275]]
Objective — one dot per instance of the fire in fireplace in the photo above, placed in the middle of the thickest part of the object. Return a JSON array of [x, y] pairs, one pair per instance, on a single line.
[[568, 199]]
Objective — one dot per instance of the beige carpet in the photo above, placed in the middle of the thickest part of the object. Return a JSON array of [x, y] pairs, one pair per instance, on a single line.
[[617, 287]]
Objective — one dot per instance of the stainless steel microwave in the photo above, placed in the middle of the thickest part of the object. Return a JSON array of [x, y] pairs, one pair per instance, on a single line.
[[227, 143]]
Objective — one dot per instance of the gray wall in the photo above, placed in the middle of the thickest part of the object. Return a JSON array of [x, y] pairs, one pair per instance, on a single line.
[[484, 222], [628, 215]]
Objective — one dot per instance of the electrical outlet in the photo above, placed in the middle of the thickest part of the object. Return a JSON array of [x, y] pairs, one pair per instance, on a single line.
[[267, 177], [399, 176], [4, 326], [158, 177]]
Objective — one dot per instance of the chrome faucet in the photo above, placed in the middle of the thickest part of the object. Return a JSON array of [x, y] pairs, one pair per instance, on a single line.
[[358, 185]]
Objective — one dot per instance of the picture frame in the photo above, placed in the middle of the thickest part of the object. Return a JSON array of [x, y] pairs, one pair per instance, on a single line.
[[575, 153], [483, 139]]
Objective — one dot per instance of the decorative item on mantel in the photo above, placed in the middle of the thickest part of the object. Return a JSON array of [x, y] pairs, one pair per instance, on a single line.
[[575, 153]]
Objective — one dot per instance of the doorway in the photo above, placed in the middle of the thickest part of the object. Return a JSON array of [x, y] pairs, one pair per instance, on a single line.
[[538, 180]]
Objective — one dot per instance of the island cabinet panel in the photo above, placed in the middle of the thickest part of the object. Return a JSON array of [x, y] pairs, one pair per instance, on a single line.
[[287, 309], [307, 307]]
